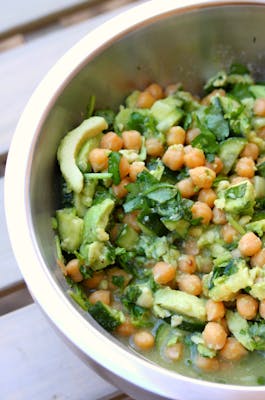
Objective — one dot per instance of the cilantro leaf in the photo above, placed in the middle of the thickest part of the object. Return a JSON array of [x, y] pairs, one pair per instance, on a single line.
[[114, 166], [142, 122], [215, 121]]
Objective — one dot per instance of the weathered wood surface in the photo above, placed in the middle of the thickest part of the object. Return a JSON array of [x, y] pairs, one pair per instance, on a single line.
[[36, 364], [16, 13], [21, 69]]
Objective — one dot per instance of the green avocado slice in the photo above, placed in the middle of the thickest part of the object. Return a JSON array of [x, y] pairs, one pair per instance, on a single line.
[[70, 146]]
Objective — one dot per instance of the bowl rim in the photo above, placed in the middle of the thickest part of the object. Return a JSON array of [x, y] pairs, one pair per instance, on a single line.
[[39, 280]]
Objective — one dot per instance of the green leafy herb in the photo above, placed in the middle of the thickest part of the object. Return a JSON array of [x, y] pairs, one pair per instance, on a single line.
[[215, 121], [226, 269], [236, 192], [261, 169], [261, 380], [91, 106], [118, 280], [108, 115], [114, 166], [85, 271], [142, 122], [237, 68]]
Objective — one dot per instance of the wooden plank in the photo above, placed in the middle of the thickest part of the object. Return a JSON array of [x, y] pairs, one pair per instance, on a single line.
[[21, 70], [10, 275], [36, 364], [14, 299], [15, 13]]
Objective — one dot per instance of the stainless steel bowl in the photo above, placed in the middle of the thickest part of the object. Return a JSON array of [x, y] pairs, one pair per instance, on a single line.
[[163, 41]]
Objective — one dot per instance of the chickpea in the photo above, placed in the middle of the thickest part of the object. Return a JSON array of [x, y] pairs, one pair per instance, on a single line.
[[245, 167], [124, 167], [190, 246], [261, 133], [262, 308], [176, 135], [202, 177], [174, 157], [144, 340], [247, 306], [155, 90], [111, 141], [259, 107], [100, 295], [187, 263], [207, 364], [238, 179], [215, 310], [174, 352], [131, 220], [229, 233], [216, 165], [163, 272], [114, 232], [93, 283], [186, 188], [98, 159], [193, 157], [132, 140], [233, 350], [136, 168], [214, 335], [207, 196], [258, 260], [202, 210], [126, 328], [72, 269], [154, 147], [192, 134], [249, 244], [172, 88], [145, 100], [250, 150], [120, 190], [224, 324], [219, 217], [216, 92], [190, 283]]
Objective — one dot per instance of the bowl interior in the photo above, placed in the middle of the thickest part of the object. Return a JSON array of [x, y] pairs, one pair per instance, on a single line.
[[176, 46]]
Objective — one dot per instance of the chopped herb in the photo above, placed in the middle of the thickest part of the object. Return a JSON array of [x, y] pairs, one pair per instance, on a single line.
[[114, 166]]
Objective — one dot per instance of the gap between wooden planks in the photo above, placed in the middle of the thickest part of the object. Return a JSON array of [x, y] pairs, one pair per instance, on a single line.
[[36, 364]]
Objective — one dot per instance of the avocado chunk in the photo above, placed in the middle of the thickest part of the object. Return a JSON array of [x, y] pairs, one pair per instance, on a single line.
[[166, 336], [127, 237], [180, 227], [240, 329], [181, 303], [83, 200], [258, 91], [106, 316], [258, 287], [257, 227], [98, 255], [70, 147], [70, 229], [229, 152], [96, 220], [166, 113], [224, 282], [237, 199]]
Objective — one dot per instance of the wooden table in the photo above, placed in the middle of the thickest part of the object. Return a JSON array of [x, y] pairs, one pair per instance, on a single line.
[[34, 362]]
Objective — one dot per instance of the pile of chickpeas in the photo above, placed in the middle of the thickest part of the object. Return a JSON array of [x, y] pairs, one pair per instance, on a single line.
[[177, 153]]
